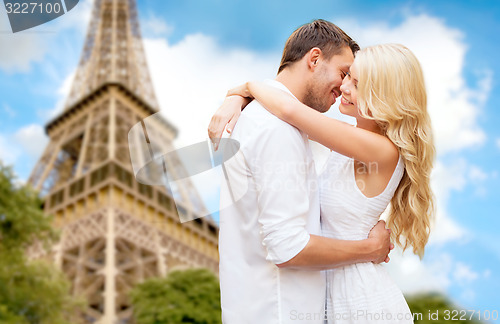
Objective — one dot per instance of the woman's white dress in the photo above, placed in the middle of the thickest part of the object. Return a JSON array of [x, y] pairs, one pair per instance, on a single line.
[[362, 292]]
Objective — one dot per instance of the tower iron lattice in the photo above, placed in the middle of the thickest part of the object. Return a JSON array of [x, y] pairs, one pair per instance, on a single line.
[[115, 232]]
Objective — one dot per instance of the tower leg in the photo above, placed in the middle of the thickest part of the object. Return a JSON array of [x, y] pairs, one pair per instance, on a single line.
[[110, 271]]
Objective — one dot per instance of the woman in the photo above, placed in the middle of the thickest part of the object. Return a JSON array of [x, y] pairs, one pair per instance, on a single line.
[[386, 158]]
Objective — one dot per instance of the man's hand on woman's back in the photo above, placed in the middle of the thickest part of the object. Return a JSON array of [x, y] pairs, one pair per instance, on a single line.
[[381, 240]]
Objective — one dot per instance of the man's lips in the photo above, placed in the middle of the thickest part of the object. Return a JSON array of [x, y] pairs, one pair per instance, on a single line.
[[335, 95]]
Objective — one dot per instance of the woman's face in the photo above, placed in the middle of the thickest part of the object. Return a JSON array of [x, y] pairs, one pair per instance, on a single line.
[[348, 102]]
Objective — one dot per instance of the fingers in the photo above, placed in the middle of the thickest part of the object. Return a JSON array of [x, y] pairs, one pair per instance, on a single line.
[[215, 131], [238, 91], [387, 258], [231, 124], [215, 143]]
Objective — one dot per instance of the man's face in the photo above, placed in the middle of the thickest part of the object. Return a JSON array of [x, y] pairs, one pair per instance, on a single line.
[[324, 86]]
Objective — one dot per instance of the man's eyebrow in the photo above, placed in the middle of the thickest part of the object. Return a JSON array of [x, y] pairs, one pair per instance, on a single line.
[[345, 67]]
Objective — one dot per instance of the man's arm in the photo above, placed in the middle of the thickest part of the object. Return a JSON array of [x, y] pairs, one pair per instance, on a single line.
[[278, 162], [323, 253]]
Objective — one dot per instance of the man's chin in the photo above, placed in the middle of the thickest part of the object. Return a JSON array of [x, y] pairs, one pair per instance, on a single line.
[[318, 106], [323, 109]]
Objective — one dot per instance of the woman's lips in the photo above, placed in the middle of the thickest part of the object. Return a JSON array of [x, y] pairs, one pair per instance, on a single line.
[[345, 101]]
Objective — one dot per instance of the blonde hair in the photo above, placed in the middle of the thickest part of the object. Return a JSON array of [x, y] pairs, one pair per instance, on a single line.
[[391, 91]]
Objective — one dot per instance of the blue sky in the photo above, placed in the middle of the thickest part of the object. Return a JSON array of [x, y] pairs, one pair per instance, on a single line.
[[196, 50]]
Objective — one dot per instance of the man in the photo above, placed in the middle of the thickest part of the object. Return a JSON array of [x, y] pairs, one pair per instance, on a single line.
[[269, 244]]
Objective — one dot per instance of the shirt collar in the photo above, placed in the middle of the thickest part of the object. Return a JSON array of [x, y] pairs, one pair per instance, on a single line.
[[279, 85]]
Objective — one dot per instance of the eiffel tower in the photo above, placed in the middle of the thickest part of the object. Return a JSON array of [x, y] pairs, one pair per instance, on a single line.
[[116, 232]]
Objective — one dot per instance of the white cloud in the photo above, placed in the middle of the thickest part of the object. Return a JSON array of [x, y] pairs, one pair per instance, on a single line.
[[32, 139], [413, 276], [454, 106], [21, 50], [465, 277], [8, 110], [192, 77], [498, 142], [437, 274], [476, 174], [445, 229], [477, 178], [22, 147], [155, 26], [468, 295], [464, 274], [78, 18], [9, 153], [62, 96], [484, 85], [447, 177]]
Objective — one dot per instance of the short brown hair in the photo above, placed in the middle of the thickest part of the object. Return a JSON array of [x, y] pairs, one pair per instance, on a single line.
[[328, 37]]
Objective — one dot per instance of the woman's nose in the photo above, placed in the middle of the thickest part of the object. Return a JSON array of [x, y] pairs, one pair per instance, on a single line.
[[344, 89]]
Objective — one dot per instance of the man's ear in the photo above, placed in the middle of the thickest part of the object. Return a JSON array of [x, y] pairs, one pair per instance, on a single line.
[[313, 57]]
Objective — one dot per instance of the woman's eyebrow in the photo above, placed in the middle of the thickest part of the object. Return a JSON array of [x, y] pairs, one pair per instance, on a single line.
[[354, 79]]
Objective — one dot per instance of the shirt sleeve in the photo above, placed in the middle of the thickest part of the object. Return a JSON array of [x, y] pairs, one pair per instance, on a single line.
[[279, 167]]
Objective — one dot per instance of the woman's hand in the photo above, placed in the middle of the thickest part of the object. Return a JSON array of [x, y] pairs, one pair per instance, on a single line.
[[241, 90], [227, 115]]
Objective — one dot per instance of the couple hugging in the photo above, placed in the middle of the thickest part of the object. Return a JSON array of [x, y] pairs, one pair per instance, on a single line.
[[295, 252]]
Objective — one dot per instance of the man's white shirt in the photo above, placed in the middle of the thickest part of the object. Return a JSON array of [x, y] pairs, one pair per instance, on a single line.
[[273, 181]]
